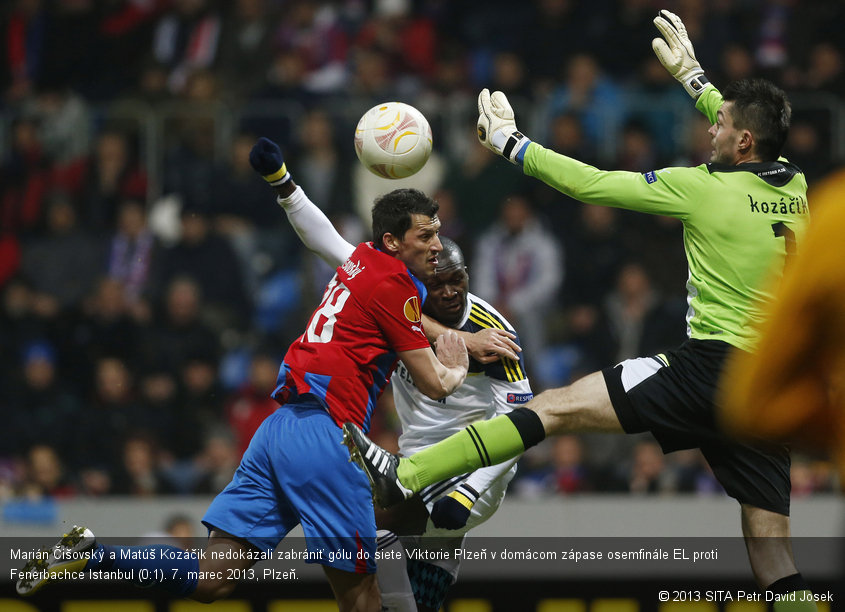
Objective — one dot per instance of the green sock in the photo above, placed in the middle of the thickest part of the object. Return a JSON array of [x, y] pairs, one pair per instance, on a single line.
[[796, 601], [479, 445]]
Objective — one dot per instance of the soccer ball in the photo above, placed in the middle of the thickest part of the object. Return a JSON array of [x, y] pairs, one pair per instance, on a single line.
[[393, 140]]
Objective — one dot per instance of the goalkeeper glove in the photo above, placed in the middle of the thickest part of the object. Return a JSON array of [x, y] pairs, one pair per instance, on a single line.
[[678, 56], [452, 511], [266, 159], [497, 129]]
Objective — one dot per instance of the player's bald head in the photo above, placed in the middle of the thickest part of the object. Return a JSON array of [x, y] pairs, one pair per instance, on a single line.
[[451, 257]]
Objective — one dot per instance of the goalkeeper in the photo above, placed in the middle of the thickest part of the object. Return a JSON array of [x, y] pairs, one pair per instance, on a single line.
[[743, 215]]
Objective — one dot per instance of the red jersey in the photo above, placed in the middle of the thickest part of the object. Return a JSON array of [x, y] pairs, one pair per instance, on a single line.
[[370, 310]]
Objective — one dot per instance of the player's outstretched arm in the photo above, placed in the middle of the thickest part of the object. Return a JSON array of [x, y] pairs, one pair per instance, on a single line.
[[485, 346], [676, 53], [311, 225], [438, 375]]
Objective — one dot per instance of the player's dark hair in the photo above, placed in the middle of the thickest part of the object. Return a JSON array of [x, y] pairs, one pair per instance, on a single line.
[[392, 212], [763, 109]]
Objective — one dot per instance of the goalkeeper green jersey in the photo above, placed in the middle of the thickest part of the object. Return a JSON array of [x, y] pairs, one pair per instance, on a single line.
[[740, 223]]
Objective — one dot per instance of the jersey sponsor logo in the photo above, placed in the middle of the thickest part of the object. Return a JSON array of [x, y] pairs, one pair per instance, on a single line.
[[796, 205], [650, 177], [519, 398], [352, 268], [412, 309]]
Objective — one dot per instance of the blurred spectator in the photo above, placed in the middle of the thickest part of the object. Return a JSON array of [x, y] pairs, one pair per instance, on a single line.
[[321, 168], [64, 264], [201, 409], [372, 80], [246, 46], [41, 408], [595, 253], [571, 473], [248, 407], [808, 149], [647, 475], [211, 262], [99, 182], [103, 327], [180, 529], [187, 37], [139, 474], [693, 473], [111, 412], [178, 332], [131, 253], [641, 323], [407, 41], [477, 181], [20, 324], [826, 70], [637, 151], [239, 201], [217, 463], [10, 257], [557, 29], [518, 267], [310, 31], [594, 97], [25, 180], [63, 120], [24, 30], [124, 34], [737, 63], [631, 29], [45, 474], [510, 75], [160, 399]]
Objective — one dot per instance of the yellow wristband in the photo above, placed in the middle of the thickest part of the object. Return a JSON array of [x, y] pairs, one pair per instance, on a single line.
[[462, 499], [279, 174]]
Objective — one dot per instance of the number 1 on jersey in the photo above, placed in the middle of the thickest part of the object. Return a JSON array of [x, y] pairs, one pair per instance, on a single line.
[[333, 301], [782, 230]]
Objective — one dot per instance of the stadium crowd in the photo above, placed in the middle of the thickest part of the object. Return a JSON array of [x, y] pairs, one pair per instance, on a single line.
[[150, 289]]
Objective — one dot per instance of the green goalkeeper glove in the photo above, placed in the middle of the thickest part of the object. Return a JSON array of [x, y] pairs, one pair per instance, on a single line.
[[678, 56], [497, 128]]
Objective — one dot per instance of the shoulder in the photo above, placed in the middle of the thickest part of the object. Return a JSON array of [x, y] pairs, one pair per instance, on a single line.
[[484, 316]]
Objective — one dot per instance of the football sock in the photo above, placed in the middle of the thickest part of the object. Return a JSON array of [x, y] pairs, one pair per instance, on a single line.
[[166, 567], [479, 445], [791, 594], [392, 575]]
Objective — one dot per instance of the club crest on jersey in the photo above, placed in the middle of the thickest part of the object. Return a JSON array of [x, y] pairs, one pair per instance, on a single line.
[[352, 268], [412, 309], [519, 398]]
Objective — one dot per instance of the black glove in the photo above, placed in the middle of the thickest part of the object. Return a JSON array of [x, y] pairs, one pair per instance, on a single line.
[[266, 158], [452, 511]]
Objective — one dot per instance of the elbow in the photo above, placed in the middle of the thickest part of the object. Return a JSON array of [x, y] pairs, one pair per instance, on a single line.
[[436, 391]]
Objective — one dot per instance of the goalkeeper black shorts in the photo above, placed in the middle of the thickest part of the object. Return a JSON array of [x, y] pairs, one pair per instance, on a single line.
[[672, 395]]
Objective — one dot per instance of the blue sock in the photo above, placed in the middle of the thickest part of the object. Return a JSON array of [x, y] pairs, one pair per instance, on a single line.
[[169, 568]]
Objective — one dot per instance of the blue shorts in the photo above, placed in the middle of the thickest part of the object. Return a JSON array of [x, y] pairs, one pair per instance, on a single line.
[[297, 471]]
